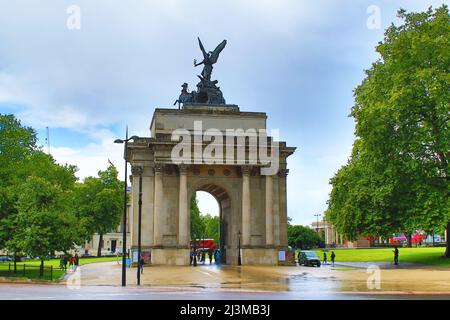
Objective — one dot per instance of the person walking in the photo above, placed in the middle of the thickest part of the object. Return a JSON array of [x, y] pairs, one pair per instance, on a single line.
[[395, 255], [65, 262], [324, 257], [217, 257], [203, 256], [333, 256], [210, 256], [61, 262], [71, 262], [77, 261], [141, 264]]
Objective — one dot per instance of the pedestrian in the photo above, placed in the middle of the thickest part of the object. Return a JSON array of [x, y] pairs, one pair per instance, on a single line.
[[71, 262], [324, 257], [333, 256], [203, 256], [61, 262], [299, 257], [77, 261], [210, 256], [191, 257], [396, 256], [141, 264], [217, 257]]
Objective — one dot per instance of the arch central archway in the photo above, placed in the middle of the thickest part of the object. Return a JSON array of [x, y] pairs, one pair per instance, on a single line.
[[224, 201]]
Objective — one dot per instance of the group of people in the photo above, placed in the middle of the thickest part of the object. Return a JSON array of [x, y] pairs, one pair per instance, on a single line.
[[200, 256], [332, 256], [73, 261]]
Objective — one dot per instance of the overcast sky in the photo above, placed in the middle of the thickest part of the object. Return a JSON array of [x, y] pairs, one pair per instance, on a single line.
[[298, 61]]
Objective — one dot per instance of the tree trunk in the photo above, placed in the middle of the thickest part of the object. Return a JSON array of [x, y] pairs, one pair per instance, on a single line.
[[447, 238], [408, 237], [15, 262], [99, 250]]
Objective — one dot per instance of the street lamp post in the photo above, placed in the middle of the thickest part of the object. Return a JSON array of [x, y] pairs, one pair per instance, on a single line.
[[239, 248], [194, 263], [124, 218], [317, 223], [137, 170]]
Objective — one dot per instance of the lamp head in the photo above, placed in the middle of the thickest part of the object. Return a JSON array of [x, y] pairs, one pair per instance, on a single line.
[[118, 141]]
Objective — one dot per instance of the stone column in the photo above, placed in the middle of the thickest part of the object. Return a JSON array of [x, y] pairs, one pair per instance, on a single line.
[[246, 218], [269, 210], [158, 206], [283, 207], [183, 210]]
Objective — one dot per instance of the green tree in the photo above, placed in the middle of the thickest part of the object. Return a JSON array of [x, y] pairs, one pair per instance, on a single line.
[[397, 177], [44, 222], [17, 144], [303, 237], [99, 203], [198, 228], [212, 225]]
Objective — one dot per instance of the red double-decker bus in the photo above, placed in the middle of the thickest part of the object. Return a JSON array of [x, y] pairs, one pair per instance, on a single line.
[[204, 244]]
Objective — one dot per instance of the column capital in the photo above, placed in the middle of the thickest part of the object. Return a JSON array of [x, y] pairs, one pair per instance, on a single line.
[[246, 170], [136, 170], [159, 167], [282, 173], [183, 168]]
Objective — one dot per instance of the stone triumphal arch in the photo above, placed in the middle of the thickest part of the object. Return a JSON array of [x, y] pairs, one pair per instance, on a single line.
[[252, 205], [208, 145]]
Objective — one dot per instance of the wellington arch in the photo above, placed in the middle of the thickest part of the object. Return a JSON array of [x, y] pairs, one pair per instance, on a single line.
[[252, 198]]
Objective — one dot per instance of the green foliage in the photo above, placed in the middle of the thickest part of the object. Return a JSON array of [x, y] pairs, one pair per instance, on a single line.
[[17, 144], [212, 225], [303, 237], [197, 226], [203, 226], [44, 223], [99, 202], [397, 177]]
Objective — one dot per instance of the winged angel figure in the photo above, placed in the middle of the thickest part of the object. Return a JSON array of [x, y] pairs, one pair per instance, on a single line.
[[209, 59]]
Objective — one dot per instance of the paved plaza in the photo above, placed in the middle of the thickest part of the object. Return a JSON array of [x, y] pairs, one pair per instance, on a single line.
[[102, 281]]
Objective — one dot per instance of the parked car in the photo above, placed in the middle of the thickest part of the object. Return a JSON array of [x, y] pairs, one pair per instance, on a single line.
[[5, 259], [309, 258]]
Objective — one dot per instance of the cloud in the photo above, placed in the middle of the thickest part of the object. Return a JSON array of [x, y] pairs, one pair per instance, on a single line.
[[92, 157]]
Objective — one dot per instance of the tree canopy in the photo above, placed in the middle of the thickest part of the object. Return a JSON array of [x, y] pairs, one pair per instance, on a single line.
[[397, 178]]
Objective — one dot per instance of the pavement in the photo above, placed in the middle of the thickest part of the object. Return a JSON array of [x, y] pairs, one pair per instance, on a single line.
[[343, 281]]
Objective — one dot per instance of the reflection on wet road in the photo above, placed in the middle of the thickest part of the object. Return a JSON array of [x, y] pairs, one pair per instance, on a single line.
[[102, 281]]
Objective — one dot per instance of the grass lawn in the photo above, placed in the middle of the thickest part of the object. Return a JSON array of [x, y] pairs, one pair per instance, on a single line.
[[428, 256], [32, 267]]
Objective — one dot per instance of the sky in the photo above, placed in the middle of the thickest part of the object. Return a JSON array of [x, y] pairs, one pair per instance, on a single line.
[[296, 60]]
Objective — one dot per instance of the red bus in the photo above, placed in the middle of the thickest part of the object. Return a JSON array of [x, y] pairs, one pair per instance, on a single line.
[[204, 244]]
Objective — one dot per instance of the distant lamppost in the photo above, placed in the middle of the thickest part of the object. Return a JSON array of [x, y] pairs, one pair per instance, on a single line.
[[124, 218], [137, 171], [195, 252], [317, 223], [239, 248]]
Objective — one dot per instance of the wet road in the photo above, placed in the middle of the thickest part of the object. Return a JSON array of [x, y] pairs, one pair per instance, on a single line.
[[102, 281]]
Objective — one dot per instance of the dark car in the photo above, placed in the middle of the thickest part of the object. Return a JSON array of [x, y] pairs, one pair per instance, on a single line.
[[308, 258]]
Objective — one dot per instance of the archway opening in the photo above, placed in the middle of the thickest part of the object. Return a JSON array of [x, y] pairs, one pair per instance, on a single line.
[[210, 206]]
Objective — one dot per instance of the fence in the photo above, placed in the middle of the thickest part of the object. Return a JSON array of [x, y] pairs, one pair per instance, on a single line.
[[30, 271]]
